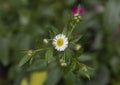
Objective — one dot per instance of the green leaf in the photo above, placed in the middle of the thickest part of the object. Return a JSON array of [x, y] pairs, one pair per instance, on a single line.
[[97, 45], [111, 16], [4, 51], [24, 60], [85, 57], [114, 64], [54, 76], [70, 79], [69, 53], [76, 40], [73, 66], [102, 76], [65, 31], [31, 60], [87, 75], [49, 55], [39, 64]]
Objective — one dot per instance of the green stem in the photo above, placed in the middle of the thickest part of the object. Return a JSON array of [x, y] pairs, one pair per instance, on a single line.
[[78, 62], [64, 56], [82, 65], [40, 49], [73, 27]]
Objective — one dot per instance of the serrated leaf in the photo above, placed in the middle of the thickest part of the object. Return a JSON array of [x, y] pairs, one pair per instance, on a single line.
[[49, 55]]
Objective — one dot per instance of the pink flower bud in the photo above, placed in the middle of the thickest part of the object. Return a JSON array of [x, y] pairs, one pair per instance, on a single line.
[[75, 10], [82, 11]]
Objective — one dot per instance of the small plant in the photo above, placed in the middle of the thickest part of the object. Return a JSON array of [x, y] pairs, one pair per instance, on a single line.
[[61, 48]]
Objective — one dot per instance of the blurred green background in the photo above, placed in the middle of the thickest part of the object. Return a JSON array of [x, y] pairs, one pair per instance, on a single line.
[[23, 22]]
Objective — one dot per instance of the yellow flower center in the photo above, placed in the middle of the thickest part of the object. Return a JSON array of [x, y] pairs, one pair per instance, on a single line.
[[60, 42]]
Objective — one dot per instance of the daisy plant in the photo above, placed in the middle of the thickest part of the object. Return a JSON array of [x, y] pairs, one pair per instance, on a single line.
[[61, 48]]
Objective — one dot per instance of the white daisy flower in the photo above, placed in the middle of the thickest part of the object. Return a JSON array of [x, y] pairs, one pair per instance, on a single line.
[[60, 42]]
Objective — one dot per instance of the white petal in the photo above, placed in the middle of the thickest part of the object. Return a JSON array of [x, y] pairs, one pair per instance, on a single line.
[[65, 44]]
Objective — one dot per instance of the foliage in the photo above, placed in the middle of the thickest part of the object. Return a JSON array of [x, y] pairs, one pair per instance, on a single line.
[[23, 23]]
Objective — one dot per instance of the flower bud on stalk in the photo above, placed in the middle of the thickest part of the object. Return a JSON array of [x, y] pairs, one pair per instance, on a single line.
[[77, 47], [78, 10], [63, 63], [30, 53], [45, 41]]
